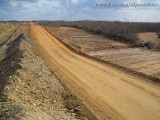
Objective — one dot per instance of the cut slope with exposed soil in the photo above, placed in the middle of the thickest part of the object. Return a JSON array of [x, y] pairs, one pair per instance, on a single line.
[[28, 90], [151, 39], [108, 92], [148, 37], [139, 59]]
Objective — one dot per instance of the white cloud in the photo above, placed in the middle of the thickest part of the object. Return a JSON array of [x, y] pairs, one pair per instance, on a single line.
[[74, 1], [157, 2], [133, 1], [27, 4], [139, 2], [76, 10], [45, 3], [13, 3]]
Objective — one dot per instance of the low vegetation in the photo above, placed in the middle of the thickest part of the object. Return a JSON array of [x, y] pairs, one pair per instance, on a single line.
[[6, 31], [158, 35], [121, 31], [4, 26], [6, 36]]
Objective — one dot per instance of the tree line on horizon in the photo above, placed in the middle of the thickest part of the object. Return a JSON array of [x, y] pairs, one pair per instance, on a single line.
[[120, 31]]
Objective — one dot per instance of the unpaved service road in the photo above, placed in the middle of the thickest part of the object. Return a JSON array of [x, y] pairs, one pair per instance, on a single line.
[[139, 59], [108, 92]]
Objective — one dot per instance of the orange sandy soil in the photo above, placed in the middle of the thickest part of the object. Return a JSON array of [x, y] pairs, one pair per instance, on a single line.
[[107, 91], [147, 37], [139, 59]]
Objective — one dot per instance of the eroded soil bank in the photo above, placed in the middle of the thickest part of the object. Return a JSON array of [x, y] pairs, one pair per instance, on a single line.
[[28, 90]]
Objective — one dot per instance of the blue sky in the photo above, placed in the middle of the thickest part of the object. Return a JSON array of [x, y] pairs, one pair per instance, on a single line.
[[77, 10]]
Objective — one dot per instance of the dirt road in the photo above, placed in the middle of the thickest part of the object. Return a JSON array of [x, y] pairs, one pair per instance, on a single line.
[[139, 59], [108, 92]]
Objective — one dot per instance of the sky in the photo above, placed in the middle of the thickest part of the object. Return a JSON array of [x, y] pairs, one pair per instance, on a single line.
[[73, 10]]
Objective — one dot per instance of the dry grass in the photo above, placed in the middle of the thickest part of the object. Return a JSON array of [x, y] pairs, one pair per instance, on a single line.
[[6, 31], [119, 31]]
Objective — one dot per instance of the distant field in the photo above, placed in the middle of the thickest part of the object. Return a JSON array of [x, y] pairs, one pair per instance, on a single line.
[[126, 32], [140, 59], [85, 41]]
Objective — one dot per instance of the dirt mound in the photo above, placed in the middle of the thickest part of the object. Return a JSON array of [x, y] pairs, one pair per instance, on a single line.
[[149, 39], [28, 90]]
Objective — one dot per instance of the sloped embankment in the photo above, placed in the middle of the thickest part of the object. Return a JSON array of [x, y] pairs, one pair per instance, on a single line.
[[6, 31], [27, 88]]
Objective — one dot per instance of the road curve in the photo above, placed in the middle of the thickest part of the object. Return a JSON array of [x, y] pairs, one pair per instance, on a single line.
[[108, 92]]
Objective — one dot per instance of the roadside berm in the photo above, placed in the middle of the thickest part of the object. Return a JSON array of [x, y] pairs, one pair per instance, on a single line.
[[28, 90]]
